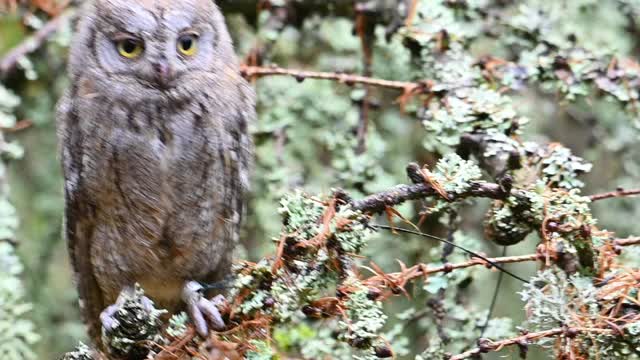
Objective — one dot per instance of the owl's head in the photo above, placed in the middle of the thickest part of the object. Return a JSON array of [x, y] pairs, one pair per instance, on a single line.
[[151, 45]]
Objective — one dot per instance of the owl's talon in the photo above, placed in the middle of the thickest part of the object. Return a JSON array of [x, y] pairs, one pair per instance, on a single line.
[[202, 310], [211, 312], [147, 304], [107, 318]]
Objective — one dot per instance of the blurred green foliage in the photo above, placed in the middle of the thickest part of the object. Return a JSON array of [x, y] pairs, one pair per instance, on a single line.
[[564, 79]]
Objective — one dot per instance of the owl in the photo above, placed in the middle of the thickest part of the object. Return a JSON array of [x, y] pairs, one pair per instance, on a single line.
[[156, 155]]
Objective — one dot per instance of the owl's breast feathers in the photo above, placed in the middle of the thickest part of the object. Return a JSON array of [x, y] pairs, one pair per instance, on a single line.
[[165, 182], [161, 177]]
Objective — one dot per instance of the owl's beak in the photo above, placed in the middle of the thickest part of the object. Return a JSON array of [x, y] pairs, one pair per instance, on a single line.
[[164, 74]]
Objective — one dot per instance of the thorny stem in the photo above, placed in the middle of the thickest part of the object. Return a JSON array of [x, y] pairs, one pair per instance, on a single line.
[[615, 194], [472, 253], [488, 345], [422, 270]]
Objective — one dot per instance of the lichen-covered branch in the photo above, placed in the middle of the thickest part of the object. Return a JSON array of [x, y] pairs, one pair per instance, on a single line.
[[378, 203]]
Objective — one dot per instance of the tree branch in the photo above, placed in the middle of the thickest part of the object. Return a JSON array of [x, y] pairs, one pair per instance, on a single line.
[[627, 242], [422, 270], [486, 345], [377, 203], [615, 194], [31, 44], [348, 79]]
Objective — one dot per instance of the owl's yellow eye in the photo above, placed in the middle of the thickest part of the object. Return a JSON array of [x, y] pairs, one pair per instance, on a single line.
[[129, 48], [188, 44]]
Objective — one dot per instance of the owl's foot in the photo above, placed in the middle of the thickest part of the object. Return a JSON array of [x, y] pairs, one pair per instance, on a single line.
[[107, 317], [202, 310]]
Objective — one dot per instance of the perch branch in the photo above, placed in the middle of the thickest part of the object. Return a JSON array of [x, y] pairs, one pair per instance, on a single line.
[[615, 194], [399, 194], [33, 43]]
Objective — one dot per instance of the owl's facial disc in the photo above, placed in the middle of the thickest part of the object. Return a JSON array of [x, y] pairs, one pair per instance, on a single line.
[[158, 45]]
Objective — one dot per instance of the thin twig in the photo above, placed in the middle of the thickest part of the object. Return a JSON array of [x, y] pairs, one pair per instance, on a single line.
[[488, 345], [615, 194], [33, 42], [349, 79], [19, 126], [422, 270], [627, 242], [479, 259]]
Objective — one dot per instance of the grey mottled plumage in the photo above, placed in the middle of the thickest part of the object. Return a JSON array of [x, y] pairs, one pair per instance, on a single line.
[[155, 150]]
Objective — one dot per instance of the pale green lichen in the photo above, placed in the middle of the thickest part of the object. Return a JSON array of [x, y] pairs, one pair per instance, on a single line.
[[261, 350], [552, 299], [178, 325], [567, 212], [455, 174], [17, 333], [555, 300], [8, 102], [135, 324], [561, 168], [82, 352], [509, 222], [469, 110], [354, 232], [312, 236], [292, 292], [259, 276], [365, 317], [435, 351], [300, 214]]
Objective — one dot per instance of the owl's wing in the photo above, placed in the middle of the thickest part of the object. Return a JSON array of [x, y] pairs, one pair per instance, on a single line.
[[245, 117], [79, 218], [238, 165], [241, 145]]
